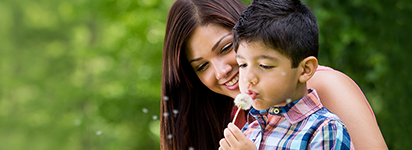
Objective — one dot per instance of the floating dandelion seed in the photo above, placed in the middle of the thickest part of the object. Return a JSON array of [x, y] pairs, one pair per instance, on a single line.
[[175, 112], [145, 110], [99, 132], [165, 98], [170, 136], [165, 114], [191, 148], [77, 122], [154, 117], [283, 73], [288, 100]]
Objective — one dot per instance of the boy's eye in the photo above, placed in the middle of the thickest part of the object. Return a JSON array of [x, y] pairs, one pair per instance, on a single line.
[[227, 48], [266, 67], [202, 67], [242, 65]]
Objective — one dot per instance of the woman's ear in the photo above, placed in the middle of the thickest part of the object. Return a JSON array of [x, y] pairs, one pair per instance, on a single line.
[[309, 66]]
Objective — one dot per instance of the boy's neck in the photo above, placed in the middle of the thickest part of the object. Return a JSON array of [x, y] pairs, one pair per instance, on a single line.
[[300, 92]]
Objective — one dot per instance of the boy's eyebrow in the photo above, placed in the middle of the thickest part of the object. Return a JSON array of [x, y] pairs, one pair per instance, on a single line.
[[218, 42], [259, 57], [267, 57]]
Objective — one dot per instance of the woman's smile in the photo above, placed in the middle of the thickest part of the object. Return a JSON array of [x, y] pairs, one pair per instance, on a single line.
[[233, 83]]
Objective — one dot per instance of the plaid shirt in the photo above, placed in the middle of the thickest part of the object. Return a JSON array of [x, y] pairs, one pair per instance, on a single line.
[[302, 124]]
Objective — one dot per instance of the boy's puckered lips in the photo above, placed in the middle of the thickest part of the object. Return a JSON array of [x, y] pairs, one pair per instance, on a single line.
[[252, 94]]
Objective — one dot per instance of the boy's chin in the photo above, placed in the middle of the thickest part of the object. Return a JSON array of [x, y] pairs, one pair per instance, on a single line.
[[259, 107]]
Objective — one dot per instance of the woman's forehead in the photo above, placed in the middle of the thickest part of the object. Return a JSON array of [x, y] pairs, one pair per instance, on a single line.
[[209, 33], [207, 38]]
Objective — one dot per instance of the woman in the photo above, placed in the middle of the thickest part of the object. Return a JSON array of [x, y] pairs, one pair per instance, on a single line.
[[200, 76]]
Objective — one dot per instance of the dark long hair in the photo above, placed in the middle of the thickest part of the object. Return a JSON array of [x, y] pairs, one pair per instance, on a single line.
[[193, 116]]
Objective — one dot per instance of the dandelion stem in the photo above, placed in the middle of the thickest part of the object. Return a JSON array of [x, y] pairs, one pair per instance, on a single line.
[[237, 112]]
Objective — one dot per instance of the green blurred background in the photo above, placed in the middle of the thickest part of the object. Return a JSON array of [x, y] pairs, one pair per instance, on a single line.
[[85, 75]]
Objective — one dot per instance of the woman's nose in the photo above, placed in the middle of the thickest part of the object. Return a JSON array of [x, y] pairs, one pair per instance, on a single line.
[[222, 70]]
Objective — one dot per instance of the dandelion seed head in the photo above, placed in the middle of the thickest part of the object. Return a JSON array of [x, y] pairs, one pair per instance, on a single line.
[[165, 98], [243, 101], [165, 114], [145, 110], [191, 148], [99, 132], [170, 136], [154, 117]]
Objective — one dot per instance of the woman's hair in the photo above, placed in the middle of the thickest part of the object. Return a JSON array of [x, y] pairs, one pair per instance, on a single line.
[[192, 116]]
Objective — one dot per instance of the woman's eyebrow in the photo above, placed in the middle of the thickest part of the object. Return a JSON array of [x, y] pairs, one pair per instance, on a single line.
[[197, 59], [218, 42]]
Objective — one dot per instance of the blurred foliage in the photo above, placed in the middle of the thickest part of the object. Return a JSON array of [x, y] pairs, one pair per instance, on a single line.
[[369, 41], [86, 74], [78, 74]]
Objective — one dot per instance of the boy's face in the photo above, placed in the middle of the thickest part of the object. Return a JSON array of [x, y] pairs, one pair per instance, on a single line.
[[266, 75]]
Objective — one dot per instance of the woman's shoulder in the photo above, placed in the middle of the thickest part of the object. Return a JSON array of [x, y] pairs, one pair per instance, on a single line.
[[333, 82], [326, 73], [324, 68], [336, 88]]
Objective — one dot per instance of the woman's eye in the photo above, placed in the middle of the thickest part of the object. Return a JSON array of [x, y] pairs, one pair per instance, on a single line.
[[227, 48], [201, 67], [266, 67]]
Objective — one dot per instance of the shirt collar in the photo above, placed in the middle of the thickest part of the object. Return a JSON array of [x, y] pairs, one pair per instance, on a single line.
[[295, 111]]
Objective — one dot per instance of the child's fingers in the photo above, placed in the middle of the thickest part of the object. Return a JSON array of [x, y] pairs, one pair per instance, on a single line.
[[229, 137], [236, 140], [236, 132], [223, 144]]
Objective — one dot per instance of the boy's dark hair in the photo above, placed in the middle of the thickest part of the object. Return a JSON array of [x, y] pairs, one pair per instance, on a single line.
[[287, 26]]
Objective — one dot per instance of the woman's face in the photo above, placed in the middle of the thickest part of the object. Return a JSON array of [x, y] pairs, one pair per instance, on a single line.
[[210, 52]]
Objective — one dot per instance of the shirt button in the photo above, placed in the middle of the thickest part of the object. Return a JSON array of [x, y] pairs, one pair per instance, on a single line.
[[275, 110]]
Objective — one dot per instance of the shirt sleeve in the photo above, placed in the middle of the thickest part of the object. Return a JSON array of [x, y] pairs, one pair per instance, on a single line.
[[331, 135]]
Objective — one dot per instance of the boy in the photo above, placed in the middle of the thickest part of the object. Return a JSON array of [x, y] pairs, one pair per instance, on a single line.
[[277, 44]]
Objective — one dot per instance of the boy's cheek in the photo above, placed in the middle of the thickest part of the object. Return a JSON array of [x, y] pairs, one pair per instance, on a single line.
[[242, 85]]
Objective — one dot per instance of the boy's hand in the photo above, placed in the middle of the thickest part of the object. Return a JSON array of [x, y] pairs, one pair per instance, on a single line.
[[235, 140]]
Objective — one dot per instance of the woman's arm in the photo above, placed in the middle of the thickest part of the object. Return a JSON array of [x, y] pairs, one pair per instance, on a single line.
[[342, 96]]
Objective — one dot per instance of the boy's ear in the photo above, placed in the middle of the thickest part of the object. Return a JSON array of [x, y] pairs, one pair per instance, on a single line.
[[308, 66]]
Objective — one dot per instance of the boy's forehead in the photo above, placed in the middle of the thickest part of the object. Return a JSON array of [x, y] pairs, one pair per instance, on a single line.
[[256, 46], [258, 50], [255, 49], [252, 44]]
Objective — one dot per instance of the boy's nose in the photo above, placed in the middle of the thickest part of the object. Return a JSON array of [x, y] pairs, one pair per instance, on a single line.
[[250, 77], [252, 81]]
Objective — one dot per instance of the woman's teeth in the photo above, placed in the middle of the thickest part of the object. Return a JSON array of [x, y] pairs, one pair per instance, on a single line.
[[234, 81]]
